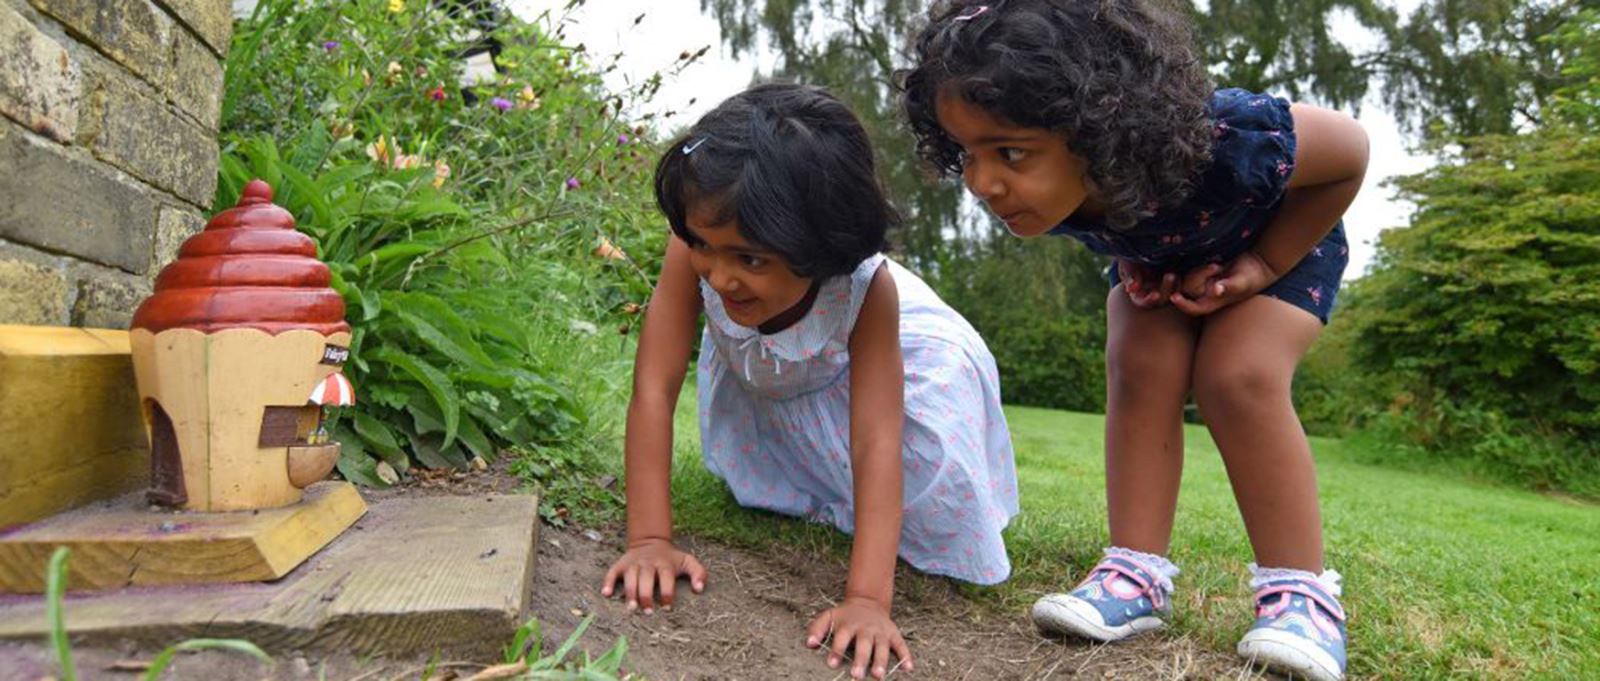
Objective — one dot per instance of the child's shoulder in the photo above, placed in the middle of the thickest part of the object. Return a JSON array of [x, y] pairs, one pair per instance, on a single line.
[[1253, 149], [1240, 110]]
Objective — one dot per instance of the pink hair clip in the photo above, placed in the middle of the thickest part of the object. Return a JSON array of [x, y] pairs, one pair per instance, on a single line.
[[977, 12]]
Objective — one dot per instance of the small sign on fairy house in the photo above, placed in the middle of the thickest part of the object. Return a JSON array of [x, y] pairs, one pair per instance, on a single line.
[[236, 354]]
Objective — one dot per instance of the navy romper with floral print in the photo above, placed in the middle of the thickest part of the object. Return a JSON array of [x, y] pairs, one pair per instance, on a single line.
[[1236, 198]]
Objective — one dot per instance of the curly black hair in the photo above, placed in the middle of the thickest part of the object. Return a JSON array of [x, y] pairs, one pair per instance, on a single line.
[[1120, 79], [791, 166]]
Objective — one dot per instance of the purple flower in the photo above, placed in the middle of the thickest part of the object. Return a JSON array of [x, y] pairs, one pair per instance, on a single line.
[[501, 103], [572, 183], [331, 45], [622, 139]]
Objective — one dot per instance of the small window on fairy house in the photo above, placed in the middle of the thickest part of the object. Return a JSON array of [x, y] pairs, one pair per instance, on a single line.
[[289, 426], [302, 425]]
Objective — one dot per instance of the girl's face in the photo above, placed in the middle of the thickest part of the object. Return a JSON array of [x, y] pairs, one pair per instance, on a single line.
[[756, 284], [1026, 176]]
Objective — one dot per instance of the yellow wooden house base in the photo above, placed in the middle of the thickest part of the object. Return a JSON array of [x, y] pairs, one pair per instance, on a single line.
[[126, 543]]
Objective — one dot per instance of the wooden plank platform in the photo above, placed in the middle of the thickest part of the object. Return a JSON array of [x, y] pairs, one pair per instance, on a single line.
[[126, 543], [413, 575]]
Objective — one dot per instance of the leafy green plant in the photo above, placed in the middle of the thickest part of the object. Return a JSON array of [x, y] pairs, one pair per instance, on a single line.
[[524, 658], [55, 591], [481, 235], [164, 658], [444, 367]]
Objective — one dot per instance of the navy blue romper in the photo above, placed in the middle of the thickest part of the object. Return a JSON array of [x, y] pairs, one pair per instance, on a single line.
[[1236, 198]]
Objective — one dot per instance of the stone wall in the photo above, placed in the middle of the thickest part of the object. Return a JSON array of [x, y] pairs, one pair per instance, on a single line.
[[108, 153]]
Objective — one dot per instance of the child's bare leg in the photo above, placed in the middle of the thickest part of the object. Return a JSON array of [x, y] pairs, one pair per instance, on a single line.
[[1242, 372], [1149, 354]]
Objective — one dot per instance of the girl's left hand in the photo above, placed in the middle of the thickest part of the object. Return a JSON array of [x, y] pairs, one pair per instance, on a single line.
[[1213, 287], [867, 623]]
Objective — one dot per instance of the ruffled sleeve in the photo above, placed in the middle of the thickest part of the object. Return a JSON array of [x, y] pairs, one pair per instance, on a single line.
[[1253, 155], [860, 281]]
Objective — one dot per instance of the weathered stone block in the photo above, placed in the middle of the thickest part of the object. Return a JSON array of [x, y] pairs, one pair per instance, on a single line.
[[31, 293], [134, 32], [152, 142], [176, 225], [211, 19], [195, 80], [107, 300], [38, 78], [59, 202]]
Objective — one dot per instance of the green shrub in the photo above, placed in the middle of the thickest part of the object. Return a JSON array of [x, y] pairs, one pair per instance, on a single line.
[[462, 234], [1040, 306], [1054, 362], [1480, 325], [1477, 334]]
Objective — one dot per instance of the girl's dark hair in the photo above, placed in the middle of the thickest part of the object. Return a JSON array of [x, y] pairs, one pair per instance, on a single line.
[[1120, 79], [792, 167]]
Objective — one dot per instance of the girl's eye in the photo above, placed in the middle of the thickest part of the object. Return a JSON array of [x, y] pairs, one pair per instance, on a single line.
[[699, 246], [752, 261], [1012, 154]]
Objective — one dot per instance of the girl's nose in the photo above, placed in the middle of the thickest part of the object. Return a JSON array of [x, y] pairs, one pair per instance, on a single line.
[[983, 185], [721, 278]]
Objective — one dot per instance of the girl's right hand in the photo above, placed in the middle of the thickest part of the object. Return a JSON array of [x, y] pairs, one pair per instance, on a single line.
[[1143, 287], [865, 625], [650, 569]]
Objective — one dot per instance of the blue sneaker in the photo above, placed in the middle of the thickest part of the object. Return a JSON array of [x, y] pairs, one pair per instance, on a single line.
[[1299, 630], [1120, 597]]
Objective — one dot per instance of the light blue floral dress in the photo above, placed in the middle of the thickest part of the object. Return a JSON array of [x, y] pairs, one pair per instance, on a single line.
[[775, 422]]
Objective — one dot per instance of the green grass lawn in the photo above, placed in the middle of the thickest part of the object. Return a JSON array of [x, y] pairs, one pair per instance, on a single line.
[[1444, 578]]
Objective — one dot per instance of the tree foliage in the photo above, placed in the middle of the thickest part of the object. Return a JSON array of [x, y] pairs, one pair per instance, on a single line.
[[1479, 324], [1493, 294], [1040, 306]]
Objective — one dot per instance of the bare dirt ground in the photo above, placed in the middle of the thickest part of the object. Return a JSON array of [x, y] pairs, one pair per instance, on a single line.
[[749, 624]]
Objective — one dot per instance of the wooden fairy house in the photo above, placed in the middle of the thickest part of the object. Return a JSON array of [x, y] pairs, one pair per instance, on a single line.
[[236, 355]]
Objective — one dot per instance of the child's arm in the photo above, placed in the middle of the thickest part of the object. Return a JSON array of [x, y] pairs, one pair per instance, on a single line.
[[652, 563], [877, 398], [1330, 162]]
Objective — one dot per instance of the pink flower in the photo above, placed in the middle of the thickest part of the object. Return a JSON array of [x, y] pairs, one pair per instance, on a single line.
[[501, 103], [622, 139], [437, 94], [331, 45], [572, 183]]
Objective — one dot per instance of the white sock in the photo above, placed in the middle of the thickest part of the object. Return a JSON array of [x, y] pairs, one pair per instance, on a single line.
[[1165, 570], [1330, 580]]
